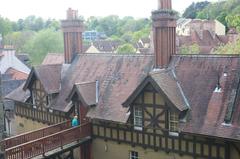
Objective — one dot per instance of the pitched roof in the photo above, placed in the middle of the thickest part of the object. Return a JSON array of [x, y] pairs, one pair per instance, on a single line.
[[24, 58], [198, 76], [49, 75], [86, 93], [53, 59], [118, 76], [205, 40], [16, 75], [107, 45], [19, 94], [166, 81]]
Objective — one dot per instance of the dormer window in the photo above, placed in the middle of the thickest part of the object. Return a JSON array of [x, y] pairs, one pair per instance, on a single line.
[[138, 118], [173, 123]]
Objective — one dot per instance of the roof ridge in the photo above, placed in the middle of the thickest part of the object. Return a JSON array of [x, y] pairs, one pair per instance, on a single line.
[[82, 83], [115, 54], [208, 55]]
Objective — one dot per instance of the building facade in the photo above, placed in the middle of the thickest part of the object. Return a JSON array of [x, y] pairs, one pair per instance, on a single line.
[[160, 105], [185, 27]]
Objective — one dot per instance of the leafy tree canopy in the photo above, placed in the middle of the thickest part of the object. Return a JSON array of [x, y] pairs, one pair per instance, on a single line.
[[45, 41], [126, 49], [194, 8]]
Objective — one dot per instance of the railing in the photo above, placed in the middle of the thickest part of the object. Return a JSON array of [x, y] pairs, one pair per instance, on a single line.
[[33, 135], [48, 143]]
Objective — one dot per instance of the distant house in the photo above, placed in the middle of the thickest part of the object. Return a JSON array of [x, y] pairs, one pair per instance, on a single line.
[[144, 45], [93, 35], [103, 46], [187, 26], [206, 41]]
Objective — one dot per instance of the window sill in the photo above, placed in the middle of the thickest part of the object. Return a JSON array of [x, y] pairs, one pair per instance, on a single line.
[[138, 128], [176, 134]]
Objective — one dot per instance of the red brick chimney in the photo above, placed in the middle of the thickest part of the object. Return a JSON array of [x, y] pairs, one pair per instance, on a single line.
[[72, 31], [164, 33]]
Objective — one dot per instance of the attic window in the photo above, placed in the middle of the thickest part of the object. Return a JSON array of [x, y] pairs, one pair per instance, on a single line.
[[138, 118], [173, 123]]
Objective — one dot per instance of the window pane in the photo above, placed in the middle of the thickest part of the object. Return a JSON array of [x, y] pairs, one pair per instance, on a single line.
[[173, 122], [138, 116]]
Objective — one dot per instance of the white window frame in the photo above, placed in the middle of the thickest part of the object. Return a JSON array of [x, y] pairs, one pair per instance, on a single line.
[[134, 155], [49, 100], [170, 122], [138, 118], [34, 99]]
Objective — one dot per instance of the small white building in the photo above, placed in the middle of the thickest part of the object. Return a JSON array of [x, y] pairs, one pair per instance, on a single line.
[[187, 26]]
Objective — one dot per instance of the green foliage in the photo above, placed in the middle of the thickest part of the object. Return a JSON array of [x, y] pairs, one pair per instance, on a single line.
[[233, 21], [18, 39], [223, 11], [231, 48], [116, 27], [45, 41], [194, 8], [5, 26], [37, 37], [126, 49], [192, 49]]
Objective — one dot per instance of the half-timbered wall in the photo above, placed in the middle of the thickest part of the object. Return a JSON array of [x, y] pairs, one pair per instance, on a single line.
[[155, 133], [38, 107]]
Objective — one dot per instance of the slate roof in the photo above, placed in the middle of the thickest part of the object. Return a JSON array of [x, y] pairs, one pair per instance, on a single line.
[[49, 75], [10, 85], [198, 76], [24, 58], [19, 94]]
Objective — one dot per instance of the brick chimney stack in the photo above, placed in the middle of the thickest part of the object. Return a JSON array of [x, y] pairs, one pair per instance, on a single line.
[[164, 33], [72, 31]]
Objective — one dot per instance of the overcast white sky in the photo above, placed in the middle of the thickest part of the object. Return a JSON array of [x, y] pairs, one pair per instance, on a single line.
[[15, 9]]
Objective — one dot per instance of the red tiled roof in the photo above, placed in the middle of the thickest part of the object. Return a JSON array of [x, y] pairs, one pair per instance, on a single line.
[[49, 75], [198, 76], [170, 87], [205, 40], [17, 75], [53, 58], [118, 76], [86, 93]]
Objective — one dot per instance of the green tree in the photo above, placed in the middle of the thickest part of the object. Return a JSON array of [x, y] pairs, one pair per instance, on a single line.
[[5, 26], [230, 48], [18, 39], [194, 8], [126, 49], [45, 41], [192, 49], [233, 21]]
